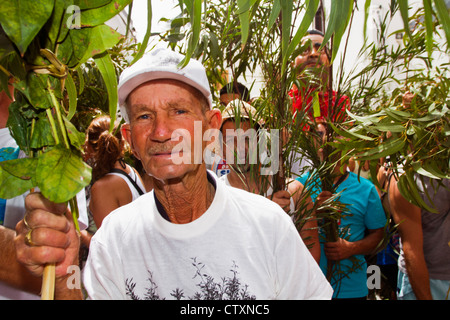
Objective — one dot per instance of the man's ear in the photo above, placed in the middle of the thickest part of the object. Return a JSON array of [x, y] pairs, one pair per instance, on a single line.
[[214, 118], [125, 129]]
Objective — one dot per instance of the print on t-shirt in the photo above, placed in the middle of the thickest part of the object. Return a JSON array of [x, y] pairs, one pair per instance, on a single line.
[[227, 288]]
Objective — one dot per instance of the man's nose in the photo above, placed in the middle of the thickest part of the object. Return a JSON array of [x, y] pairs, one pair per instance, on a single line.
[[161, 131], [314, 53]]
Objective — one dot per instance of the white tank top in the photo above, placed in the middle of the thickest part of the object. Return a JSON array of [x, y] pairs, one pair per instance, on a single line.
[[133, 176]]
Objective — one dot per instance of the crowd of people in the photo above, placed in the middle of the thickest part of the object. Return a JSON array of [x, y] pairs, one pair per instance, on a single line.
[[218, 225]]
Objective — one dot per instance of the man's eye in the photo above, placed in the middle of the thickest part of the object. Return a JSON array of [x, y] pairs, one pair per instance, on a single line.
[[143, 117], [179, 111]]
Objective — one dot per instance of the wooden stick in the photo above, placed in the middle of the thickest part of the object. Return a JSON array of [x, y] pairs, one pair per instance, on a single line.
[[48, 282]]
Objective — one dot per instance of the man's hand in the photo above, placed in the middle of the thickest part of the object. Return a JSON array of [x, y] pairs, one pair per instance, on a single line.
[[46, 235], [339, 250], [283, 199]]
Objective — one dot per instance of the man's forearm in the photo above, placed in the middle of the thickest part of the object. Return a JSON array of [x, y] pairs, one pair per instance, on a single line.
[[11, 271], [417, 272], [63, 292]]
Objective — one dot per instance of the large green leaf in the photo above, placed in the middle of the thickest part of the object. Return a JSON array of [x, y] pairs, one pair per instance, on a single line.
[[10, 184], [42, 134], [106, 68], [18, 124], [73, 49], [98, 15], [57, 24], [101, 38], [90, 4], [22, 19], [76, 138], [61, 174], [34, 87]]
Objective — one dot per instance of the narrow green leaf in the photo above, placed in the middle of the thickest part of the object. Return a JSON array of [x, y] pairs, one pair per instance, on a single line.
[[72, 93], [414, 192], [304, 25], [342, 17], [350, 134], [286, 24], [276, 9], [385, 149], [366, 16], [22, 19], [196, 21], [244, 9], [403, 7], [148, 33], [106, 68], [444, 18], [428, 16]]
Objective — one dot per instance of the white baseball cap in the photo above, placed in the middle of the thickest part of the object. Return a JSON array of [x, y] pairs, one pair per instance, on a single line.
[[162, 63]]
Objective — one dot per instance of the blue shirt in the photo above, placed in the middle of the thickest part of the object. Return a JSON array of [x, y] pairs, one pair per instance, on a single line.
[[6, 154], [364, 211]]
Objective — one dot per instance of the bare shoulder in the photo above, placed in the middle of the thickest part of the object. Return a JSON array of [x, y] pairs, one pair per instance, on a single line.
[[111, 186]]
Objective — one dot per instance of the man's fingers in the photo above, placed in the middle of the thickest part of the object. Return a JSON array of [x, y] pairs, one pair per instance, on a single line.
[[39, 237], [38, 201], [39, 218]]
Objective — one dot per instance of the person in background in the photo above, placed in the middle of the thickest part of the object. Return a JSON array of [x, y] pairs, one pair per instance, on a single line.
[[424, 261], [243, 177], [313, 65], [361, 228], [114, 182], [233, 90]]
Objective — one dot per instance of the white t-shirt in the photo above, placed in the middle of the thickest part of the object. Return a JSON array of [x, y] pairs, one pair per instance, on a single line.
[[267, 194], [243, 247], [14, 212]]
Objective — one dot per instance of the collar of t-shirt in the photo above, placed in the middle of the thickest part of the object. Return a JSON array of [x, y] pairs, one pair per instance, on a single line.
[[160, 207]]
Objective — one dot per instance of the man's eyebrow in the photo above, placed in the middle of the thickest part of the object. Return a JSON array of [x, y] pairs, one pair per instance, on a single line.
[[180, 103]]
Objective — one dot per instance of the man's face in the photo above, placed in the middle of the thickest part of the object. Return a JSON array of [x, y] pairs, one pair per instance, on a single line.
[[239, 151], [156, 109], [312, 57], [228, 97]]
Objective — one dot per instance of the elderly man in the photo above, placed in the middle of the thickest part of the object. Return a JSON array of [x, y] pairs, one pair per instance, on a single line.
[[192, 237]]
